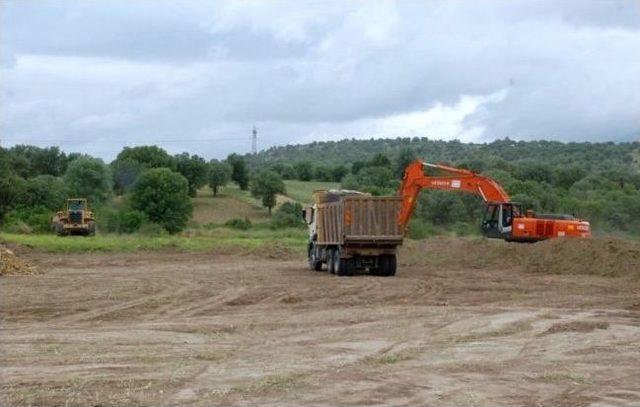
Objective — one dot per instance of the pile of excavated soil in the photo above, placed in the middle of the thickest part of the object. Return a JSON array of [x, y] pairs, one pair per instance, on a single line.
[[597, 256], [12, 264]]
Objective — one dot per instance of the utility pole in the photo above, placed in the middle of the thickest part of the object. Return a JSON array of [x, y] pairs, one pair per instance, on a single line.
[[254, 141]]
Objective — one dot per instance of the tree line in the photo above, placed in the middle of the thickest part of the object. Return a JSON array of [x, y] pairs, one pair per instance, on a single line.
[[599, 182], [155, 187]]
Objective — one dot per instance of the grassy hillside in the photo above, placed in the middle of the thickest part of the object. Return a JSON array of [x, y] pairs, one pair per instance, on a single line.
[[229, 204], [302, 191]]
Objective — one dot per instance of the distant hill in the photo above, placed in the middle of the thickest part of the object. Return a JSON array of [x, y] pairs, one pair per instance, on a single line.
[[591, 156]]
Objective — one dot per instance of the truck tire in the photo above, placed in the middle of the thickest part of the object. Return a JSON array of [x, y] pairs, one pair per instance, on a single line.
[[314, 263], [92, 229], [387, 265], [58, 227], [330, 261], [342, 267]]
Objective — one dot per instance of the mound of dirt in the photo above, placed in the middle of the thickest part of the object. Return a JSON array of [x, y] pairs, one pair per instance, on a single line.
[[596, 256], [12, 264], [604, 257]]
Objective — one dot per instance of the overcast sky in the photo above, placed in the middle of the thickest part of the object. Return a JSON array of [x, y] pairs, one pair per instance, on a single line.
[[94, 76]]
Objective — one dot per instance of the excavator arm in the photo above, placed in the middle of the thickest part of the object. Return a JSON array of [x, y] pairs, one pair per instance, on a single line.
[[457, 180]]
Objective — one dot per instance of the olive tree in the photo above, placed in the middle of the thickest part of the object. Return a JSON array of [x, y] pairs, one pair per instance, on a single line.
[[163, 196], [194, 169], [266, 185], [219, 175]]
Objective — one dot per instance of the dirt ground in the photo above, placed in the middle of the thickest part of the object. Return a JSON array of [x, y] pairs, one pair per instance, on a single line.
[[171, 328]]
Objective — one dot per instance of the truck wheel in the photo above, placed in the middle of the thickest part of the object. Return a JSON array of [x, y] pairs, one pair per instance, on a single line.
[[387, 265], [330, 261], [59, 228], [343, 267], [314, 263], [92, 229]]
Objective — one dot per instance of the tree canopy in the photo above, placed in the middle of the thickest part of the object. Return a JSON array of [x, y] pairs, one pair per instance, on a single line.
[[266, 185], [163, 195]]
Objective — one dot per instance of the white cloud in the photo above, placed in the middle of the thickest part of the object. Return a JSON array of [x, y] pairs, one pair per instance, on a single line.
[[144, 71]]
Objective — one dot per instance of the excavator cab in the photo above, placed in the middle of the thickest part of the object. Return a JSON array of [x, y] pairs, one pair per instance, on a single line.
[[498, 219]]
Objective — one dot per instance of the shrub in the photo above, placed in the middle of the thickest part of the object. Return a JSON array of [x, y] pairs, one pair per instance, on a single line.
[[419, 229], [163, 196], [152, 229], [36, 219], [237, 223], [131, 220], [289, 214]]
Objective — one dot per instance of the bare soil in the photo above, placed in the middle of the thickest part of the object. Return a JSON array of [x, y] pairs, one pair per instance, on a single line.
[[172, 328]]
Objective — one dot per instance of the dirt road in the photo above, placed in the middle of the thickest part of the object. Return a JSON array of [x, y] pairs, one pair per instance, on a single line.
[[211, 329]]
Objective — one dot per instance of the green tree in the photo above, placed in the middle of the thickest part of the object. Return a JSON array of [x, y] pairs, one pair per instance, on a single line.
[[338, 172], [380, 160], [29, 161], [44, 190], [163, 195], [406, 157], [148, 157], [89, 178], [304, 170], [125, 172], [11, 185], [219, 175], [266, 185], [239, 171], [194, 169]]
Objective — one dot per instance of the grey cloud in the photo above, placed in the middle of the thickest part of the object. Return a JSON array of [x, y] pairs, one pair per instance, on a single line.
[[137, 72]]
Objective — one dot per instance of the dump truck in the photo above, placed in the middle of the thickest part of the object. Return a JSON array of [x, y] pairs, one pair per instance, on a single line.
[[75, 219], [351, 231]]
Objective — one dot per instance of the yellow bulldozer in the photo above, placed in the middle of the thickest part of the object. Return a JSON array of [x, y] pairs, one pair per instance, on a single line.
[[76, 219]]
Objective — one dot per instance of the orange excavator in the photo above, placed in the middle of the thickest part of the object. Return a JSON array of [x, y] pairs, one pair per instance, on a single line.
[[503, 219]]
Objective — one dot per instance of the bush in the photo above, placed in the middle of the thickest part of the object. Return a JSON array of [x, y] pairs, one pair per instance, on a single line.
[[125, 220], [36, 219], [289, 214], [131, 220], [163, 196], [239, 224], [419, 229], [107, 219], [152, 229]]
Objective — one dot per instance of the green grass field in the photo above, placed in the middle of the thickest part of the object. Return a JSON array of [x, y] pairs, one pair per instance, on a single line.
[[192, 240], [230, 203], [302, 191]]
